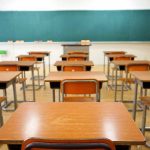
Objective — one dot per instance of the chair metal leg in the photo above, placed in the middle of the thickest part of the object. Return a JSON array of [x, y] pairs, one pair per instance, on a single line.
[[122, 91], [1, 117], [144, 120], [24, 92]]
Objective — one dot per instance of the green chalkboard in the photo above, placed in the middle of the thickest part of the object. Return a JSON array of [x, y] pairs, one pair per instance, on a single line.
[[125, 25]]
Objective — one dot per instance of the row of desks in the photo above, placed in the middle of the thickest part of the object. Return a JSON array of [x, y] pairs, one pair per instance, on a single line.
[[77, 120]]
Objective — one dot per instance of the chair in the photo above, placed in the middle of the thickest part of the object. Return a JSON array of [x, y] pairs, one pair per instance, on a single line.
[[80, 87], [32, 58], [2, 98], [77, 52], [146, 102], [44, 144], [74, 68], [19, 80], [119, 58], [76, 58], [130, 80]]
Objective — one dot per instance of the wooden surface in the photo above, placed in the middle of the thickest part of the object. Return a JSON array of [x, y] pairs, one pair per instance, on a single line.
[[143, 76], [127, 62], [72, 121], [119, 55], [74, 63], [59, 76], [35, 55], [39, 52], [74, 55], [7, 76], [113, 52], [80, 52], [19, 63]]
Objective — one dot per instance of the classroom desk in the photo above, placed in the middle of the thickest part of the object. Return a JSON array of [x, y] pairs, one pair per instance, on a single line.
[[111, 57], [8, 78], [81, 52], [142, 78], [76, 120], [54, 78], [67, 47], [121, 65], [66, 56], [61, 64], [23, 66], [111, 52], [39, 57], [46, 53]]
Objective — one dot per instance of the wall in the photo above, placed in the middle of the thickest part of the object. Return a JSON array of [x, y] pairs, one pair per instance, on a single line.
[[74, 4]]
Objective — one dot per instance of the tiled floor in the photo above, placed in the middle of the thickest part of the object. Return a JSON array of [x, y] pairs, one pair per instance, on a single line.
[[107, 95]]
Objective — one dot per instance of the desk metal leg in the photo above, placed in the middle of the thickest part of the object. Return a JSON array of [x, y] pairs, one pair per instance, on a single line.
[[116, 74], [1, 117], [108, 67], [104, 64], [33, 83], [144, 120], [49, 62], [53, 90], [15, 95], [43, 69], [135, 100]]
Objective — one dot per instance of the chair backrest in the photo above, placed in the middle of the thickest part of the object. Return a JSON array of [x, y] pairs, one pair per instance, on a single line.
[[27, 58], [44, 144], [74, 86], [115, 52], [79, 58], [123, 58], [137, 67], [9, 68], [73, 68], [82, 53]]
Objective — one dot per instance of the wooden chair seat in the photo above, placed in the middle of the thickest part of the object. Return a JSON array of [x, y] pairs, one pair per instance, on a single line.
[[79, 99], [21, 80], [127, 80], [145, 100], [2, 98]]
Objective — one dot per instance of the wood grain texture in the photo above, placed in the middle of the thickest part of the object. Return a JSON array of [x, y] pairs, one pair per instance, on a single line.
[[59, 76], [72, 121]]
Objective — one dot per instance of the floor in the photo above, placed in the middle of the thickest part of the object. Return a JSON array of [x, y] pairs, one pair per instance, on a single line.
[[107, 95]]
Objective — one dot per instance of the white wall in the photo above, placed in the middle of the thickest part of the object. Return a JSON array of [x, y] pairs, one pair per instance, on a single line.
[[74, 4], [141, 50]]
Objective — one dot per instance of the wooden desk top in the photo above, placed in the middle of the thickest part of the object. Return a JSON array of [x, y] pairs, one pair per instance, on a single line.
[[60, 76], [73, 63], [35, 55], [71, 121], [75, 44], [18, 63], [111, 52], [119, 55], [74, 55], [7, 76], [127, 62], [143, 76], [82, 52], [39, 52]]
